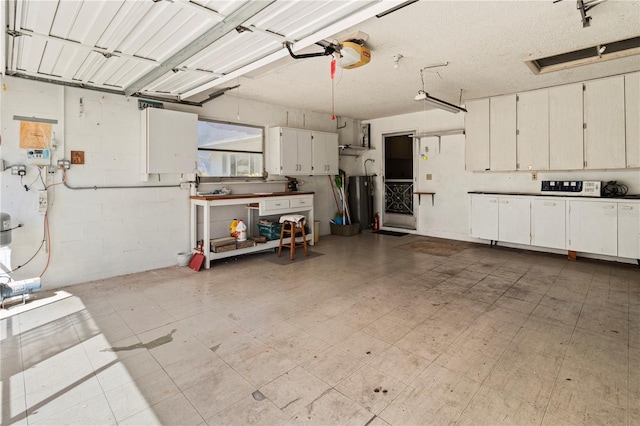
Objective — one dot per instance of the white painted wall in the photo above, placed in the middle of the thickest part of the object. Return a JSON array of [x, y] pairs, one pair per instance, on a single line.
[[96, 234], [449, 217]]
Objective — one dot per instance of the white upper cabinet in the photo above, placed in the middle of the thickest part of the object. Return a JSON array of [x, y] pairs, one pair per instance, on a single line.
[[169, 141], [632, 111], [604, 118], [325, 153], [476, 126], [289, 151], [533, 130], [566, 140], [295, 152], [502, 132]]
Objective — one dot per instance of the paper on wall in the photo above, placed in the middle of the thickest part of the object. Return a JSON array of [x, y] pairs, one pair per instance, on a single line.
[[35, 135]]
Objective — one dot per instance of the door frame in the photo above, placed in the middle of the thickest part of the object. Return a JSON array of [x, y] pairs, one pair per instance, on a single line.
[[395, 220]]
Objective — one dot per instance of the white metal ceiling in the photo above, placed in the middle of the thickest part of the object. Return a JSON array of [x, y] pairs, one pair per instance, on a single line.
[[164, 48]]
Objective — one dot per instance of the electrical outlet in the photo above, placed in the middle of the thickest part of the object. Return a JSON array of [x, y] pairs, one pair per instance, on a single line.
[[185, 185], [19, 169], [42, 201], [429, 176], [64, 164]]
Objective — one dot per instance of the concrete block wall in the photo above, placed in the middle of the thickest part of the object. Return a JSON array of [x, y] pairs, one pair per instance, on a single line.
[[101, 233]]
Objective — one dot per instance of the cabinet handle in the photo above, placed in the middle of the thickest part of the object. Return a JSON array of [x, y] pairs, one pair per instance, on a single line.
[[549, 203], [493, 201], [504, 202], [609, 207], [626, 208]]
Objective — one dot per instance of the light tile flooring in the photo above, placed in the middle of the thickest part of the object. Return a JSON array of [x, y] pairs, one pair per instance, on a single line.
[[365, 334]]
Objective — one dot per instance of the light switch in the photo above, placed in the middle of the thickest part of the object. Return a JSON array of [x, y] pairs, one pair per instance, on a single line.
[[429, 176]]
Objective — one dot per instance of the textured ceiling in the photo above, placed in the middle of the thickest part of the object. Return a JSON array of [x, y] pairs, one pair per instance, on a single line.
[[486, 44], [153, 48]]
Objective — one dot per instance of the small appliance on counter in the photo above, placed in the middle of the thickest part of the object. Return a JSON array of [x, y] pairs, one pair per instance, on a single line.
[[585, 188], [292, 184]]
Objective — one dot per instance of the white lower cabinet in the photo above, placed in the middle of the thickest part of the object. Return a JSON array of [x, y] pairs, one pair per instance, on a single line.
[[629, 230], [593, 227], [548, 223], [514, 220], [588, 225], [483, 218]]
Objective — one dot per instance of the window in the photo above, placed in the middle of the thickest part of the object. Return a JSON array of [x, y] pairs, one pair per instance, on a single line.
[[230, 150]]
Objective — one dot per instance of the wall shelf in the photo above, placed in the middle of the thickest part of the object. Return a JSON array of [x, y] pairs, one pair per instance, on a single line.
[[358, 149]]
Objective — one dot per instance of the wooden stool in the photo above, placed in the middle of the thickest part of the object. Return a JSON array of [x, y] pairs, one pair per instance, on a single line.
[[292, 228]]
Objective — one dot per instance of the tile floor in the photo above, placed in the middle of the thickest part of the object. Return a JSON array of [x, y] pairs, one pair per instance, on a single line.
[[365, 334]]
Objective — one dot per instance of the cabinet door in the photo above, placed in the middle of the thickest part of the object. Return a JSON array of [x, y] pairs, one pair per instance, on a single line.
[[288, 151], [514, 220], [548, 223], [325, 153], [533, 130], [170, 141], [632, 111], [593, 227], [304, 153], [566, 136], [476, 126], [604, 145], [484, 217], [502, 132], [629, 230]]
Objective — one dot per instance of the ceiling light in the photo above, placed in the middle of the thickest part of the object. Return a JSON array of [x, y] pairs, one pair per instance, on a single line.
[[438, 103]]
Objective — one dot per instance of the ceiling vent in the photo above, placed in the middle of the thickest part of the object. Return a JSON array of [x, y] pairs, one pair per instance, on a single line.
[[586, 56]]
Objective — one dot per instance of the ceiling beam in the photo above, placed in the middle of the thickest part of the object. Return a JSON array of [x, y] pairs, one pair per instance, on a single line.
[[353, 19], [235, 19], [104, 52]]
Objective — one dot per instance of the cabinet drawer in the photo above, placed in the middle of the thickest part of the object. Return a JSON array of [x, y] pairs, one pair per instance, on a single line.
[[269, 205], [301, 202]]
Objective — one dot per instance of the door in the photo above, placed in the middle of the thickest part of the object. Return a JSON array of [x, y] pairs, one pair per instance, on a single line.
[[593, 227], [476, 126], [483, 217], [566, 136], [604, 133], [325, 153], [533, 130], [288, 151], [629, 230], [548, 226], [514, 220], [399, 163], [502, 132], [632, 111]]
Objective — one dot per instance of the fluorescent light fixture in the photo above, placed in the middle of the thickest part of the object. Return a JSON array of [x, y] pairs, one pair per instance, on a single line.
[[438, 103]]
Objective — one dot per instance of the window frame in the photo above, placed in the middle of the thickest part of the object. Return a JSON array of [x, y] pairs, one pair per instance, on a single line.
[[261, 178]]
